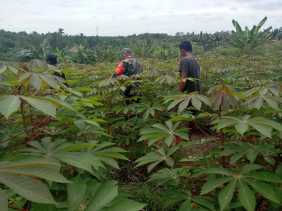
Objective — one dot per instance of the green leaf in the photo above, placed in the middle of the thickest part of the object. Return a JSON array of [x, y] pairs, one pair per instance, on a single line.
[[85, 161], [186, 206], [9, 104], [13, 70], [196, 103], [149, 158], [226, 194], [41, 169], [220, 171], [263, 129], [125, 205], [204, 203], [3, 201], [247, 196], [76, 193], [105, 194], [250, 167], [50, 81], [266, 190], [242, 128], [266, 176], [30, 188], [42, 105], [212, 184], [3, 68]]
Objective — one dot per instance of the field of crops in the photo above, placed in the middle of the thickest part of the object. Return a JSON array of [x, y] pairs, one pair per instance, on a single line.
[[78, 145]]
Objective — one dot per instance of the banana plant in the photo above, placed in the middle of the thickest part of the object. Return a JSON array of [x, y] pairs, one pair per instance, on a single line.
[[25, 178], [251, 152], [247, 123], [89, 157], [247, 181], [250, 39], [166, 133], [184, 101]]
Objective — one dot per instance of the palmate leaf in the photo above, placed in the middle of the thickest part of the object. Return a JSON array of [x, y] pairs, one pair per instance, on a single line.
[[49, 80], [28, 187], [153, 159], [96, 196], [226, 194], [206, 204], [266, 190], [76, 193], [124, 204], [223, 97], [60, 103], [81, 160], [22, 178], [42, 104], [247, 196], [241, 150], [186, 100], [259, 97], [265, 176], [212, 184], [104, 194], [39, 81], [248, 181], [39, 168], [9, 104], [219, 171], [166, 175], [201, 203], [85, 156], [243, 124], [166, 133], [186, 206]]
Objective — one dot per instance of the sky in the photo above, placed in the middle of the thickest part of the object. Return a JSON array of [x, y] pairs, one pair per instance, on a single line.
[[124, 17]]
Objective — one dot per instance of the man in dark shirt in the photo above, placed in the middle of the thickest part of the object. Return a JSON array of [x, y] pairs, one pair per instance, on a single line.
[[189, 69]]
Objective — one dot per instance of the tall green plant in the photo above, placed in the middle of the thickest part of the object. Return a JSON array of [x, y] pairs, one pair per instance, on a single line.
[[248, 39]]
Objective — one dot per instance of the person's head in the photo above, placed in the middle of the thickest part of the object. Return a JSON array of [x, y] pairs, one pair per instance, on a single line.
[[185, 48], [126, 53], [52, 59]]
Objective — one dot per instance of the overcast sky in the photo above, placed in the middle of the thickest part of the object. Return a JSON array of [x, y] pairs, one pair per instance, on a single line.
[[123, 17]]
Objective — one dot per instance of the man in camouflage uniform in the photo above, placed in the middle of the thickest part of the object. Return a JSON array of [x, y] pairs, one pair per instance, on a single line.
[[129, 66]]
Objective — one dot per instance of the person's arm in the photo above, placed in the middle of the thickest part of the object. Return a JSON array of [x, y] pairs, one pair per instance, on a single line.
[[183, 75], [182, 83]]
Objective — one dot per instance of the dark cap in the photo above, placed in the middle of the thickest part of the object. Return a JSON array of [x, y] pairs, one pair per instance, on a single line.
[[51, 59], [186, 45]]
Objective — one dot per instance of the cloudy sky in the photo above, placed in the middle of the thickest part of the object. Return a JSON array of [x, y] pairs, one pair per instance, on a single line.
[[123, 17]]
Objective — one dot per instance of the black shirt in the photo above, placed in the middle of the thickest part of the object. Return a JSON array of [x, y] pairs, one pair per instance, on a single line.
[[189, 68]]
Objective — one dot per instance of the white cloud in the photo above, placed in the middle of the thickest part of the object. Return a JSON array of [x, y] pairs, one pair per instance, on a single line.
[[114, 17]]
